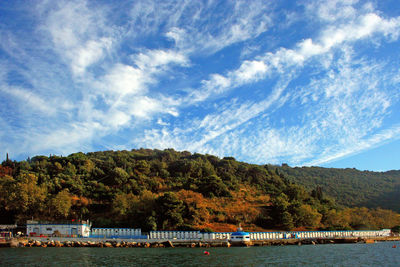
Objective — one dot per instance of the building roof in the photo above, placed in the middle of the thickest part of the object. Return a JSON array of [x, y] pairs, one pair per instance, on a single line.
[[8, 226], [241, 233]]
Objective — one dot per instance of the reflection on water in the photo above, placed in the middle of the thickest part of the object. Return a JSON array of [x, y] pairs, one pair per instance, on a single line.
[[378, 254]]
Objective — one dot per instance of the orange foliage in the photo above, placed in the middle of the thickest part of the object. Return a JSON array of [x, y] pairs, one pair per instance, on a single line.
[[5, 171], [301, 228], [219, 213], [80, 201], [219, 227]]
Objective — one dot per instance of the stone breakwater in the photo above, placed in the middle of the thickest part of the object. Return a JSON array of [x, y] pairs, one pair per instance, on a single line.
[[116, 244], [182, 243]]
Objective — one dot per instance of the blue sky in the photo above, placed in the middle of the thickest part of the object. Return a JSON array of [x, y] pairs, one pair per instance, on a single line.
[[297, 82]]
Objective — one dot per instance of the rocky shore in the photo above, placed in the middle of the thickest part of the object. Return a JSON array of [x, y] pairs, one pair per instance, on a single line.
[[180, 243], [115, 244]]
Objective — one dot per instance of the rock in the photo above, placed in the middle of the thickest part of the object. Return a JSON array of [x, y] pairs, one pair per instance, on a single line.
[[108, 245], [23, 243], [14, 243], [168, 244], [154, 245], [226, 244], [95, 244]]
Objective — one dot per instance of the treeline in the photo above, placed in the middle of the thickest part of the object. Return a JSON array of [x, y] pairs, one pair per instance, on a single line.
[[160, 190]]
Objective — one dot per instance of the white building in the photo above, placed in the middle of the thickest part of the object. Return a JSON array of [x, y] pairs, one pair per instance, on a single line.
[[116, 233], [183, 235], [70, 229]]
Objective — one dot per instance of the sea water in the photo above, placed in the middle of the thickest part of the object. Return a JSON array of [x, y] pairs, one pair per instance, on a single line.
[[377, 254]]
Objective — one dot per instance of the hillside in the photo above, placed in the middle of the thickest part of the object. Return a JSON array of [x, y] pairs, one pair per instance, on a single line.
[[166, 189], [350, 187]]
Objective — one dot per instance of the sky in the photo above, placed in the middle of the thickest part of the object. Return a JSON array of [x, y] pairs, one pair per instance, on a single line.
[[307, 83]]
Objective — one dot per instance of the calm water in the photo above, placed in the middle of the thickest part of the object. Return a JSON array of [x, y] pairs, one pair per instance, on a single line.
[[378, 254]]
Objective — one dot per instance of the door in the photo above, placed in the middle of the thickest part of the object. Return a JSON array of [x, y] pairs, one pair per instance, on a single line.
[[74, 231]]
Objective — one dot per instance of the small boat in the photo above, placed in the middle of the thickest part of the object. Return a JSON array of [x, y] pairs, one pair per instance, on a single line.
[[240, 238]]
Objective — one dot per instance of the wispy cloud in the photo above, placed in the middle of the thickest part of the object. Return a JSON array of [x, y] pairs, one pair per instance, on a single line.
[[79, 33], [332, 121], [304, 83], [361, 145]]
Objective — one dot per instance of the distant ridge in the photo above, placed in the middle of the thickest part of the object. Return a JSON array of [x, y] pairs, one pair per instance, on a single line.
[[351, 187]]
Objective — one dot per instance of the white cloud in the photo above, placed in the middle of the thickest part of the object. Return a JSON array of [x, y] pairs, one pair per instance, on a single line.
[[334, 10], [78, 32], [250, 71], [68, 139], [284, 59], [194, 27], [161, 122], [123, 80], [125, 91], [377, 139], [89, 53], [158, 58], [30, 99]]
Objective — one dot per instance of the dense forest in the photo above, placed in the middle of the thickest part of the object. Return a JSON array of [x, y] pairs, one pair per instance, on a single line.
[[351, 187], [166, 189]]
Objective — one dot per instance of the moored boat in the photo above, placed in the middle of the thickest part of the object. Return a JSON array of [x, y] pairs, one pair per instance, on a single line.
[[240, 238]]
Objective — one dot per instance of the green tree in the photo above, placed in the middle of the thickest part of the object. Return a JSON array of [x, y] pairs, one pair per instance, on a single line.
[[213, 186], [124, 203], [120, 176], [61, 204], [170, 210], [6, 191], [287, 220], [151, 223], [27, 196], [306, 216], [142, 167]]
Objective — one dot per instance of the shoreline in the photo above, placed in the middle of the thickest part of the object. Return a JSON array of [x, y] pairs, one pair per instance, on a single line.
[[165, 243]]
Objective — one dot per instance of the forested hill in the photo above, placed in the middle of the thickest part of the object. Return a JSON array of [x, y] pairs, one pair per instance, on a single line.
[[166, 189], [350, 187]]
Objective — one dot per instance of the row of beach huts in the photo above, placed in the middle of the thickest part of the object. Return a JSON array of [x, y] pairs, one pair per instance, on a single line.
[[84, 229]]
